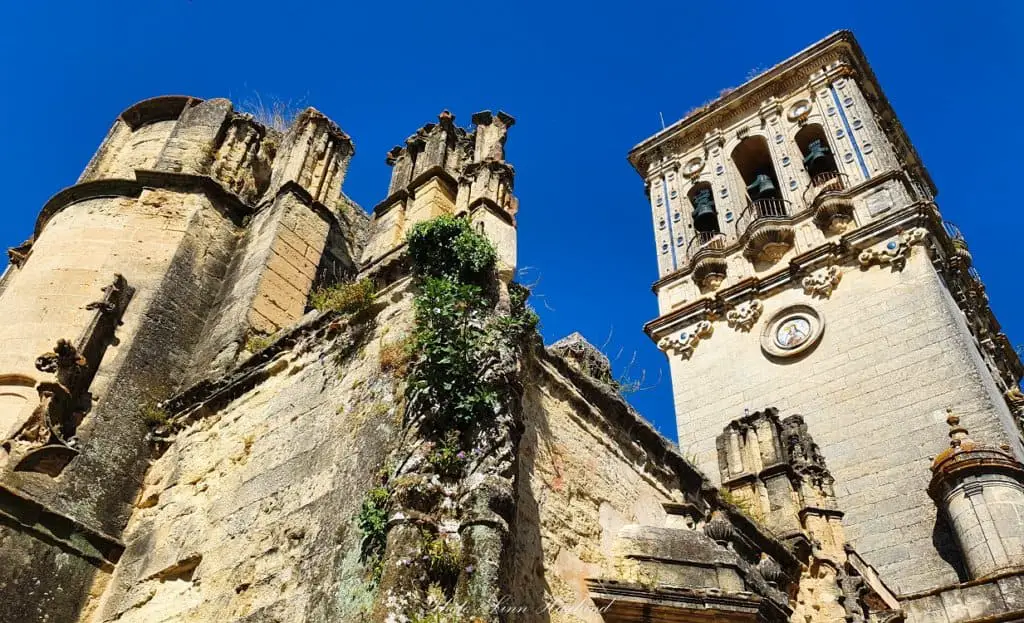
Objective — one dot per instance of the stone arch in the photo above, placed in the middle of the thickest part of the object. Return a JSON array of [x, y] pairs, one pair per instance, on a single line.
[[752, 158]]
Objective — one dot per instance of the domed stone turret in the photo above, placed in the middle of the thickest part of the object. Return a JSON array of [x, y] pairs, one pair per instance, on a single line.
[[981, 490]]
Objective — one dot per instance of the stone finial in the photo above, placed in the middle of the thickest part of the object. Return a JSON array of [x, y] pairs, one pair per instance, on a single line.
[[957, 433], [719, 528], [491, 131]]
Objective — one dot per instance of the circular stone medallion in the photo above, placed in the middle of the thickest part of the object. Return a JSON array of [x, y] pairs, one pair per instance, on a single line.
[[799, 110], [792, 331]]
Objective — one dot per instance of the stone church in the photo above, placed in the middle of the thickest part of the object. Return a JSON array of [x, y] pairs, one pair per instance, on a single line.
[[229, 395]]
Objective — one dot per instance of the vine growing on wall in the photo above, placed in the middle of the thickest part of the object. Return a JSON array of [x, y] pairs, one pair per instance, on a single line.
[[460, 411]]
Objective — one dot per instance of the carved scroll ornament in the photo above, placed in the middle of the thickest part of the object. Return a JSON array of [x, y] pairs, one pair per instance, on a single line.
[[687, 340], [744, 315], [895, 250], [822, 281]]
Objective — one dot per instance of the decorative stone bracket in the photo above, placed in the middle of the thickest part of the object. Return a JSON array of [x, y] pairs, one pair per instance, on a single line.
[[19, 255], [893, 251], [743, 316], [822, 281], [687, 340], [709, 273]]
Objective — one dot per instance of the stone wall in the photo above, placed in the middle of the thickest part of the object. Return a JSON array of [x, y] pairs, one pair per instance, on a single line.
[[249, 515], [26, 598], [895, 354], [997, 598], [581, 479], [78, 254], [167, 202]]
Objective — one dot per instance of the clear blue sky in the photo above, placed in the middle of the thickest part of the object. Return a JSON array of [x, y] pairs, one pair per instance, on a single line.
[[586, 82]]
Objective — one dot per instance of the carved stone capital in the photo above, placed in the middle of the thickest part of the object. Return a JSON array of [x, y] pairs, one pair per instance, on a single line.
[[687, 340], [895, 250], [822, 281], [743, 316]]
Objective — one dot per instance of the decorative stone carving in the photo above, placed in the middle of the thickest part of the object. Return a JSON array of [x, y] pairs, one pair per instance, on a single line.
[[687, 340], [46, 442], [693, 167], [893, 251], [709, 273], [19, 254], [792, 331], [744, 315], [719, 528], [799, 111], [822, 281], [769, 243], [770, 570], [1015, 400], [805, 457], [1015, 397], [833, 215], [961, 252]]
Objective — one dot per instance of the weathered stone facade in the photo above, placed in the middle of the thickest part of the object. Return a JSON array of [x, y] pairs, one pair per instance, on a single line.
[[186, 437], [816, 277]]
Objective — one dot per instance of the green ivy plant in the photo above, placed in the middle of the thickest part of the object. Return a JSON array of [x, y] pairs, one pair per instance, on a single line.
[[460, 364], [373, 521], [447, 248]]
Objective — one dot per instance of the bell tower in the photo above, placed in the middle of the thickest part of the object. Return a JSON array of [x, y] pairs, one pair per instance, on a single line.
[[804, 266]]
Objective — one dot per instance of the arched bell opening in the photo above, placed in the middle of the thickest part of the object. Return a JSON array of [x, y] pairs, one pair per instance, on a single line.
[[818, 158], [753, 159], [704, 216]]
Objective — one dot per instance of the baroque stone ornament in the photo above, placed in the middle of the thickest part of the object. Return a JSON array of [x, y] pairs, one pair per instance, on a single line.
[[744, 315], [719, 529], [687, 340], [770, 570], [1015, 397], [1015, 400], [792, 331], [693, 167], [709, 273], [893, 251], [769, 243], [822, 281]]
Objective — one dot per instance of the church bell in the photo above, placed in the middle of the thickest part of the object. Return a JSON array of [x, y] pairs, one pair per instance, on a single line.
[[762, 187], [705, 218], [818, 158]]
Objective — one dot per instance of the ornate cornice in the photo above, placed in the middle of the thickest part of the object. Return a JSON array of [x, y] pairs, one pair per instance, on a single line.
[[845, 250]]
